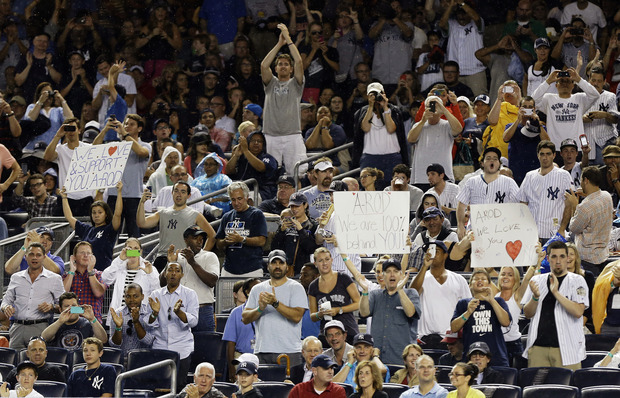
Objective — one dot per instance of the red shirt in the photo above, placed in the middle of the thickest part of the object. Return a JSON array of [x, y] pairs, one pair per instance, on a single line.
[[306, 389]]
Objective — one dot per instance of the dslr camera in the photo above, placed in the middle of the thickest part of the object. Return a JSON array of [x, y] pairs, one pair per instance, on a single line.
[[378, 97]]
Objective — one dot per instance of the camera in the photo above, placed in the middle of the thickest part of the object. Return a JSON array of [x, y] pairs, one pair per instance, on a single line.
[[83, 20], [69, 127], [51, 94], [378, 97], [576, 31], [563, 73], [161, 106]]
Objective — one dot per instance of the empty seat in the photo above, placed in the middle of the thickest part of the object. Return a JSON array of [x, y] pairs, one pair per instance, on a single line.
[[220, 322], [435, 353], [394, 368], [135, 393], [110, 355], [600, 342], [544, 375], [600, 392], [227, 389], [274, 389], [209, 347], [592, 357], [447, 386], [441, 373], [510, 374], [596, 377], [50, 388], [5, 369], [64, 368], [499, 390], [7, 355], [367, 264], [155, 379], [348, 388], [272, 372], [394, 390], [550, 391]]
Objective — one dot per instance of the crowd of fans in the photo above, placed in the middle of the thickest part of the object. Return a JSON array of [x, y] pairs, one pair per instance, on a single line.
[[457, 103]]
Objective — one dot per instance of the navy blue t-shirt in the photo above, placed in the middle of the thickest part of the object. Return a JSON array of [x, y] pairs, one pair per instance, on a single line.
[[483, 325], [522, 156], [71, 337], [101, 382], [240, 258], [102, 238]]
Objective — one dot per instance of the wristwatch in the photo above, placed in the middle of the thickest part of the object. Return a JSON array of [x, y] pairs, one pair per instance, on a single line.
[[275, 304], [244, 239], [340, 312]]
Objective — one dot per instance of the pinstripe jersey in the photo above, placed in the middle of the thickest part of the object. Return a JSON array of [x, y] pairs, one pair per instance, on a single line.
[[575, 173], [448, 195], [476, 191], [599, 131], [463, 42], [544, 195]]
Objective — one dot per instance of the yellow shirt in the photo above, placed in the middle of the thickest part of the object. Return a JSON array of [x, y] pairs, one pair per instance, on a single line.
[[494, 134], [472, 393]]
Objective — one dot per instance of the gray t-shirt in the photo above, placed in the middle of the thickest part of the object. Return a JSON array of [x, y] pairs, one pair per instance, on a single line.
[[134, 170], [172, 223], [281, 112]]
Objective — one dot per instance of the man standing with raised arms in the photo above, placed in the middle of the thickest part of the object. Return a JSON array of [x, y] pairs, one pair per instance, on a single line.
[[282, 124]]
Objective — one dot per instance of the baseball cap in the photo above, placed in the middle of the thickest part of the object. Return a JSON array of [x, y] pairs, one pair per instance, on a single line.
[[542, 41], [363, 339], [322, 166], [277, 254], [50, 172], [297, 199], [484, 98], [136, 67], [19, 99], [194, 230], [27, 365], [334, 324], [431, 212], [323, 361], [611, 151], [437, 168], [439, 243], [212, 71], [201, 129], [162, 120], [255, 109], [391, 263], [452, 337], [248, 367], [89, 136], [247, 357], [45, 230], [479, 346], [284, 179], [337, 186], [568, 142], [93, 124], [374, 87], [492, 149], [464, 99], [305, 105]]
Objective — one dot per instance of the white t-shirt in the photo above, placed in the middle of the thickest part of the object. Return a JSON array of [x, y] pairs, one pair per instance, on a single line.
[[592, 15], [378, 141], [130, 87], [434, 145]]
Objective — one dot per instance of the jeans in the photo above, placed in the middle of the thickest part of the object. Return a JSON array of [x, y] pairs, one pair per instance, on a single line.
[[384, 163], [206, 319]]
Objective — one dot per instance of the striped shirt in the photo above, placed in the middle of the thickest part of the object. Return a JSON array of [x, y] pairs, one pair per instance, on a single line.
[[575, 174], [476, 191], [544, 195], [591, 225], [448, 195], [463, 42], [80, 285], [599, 131]]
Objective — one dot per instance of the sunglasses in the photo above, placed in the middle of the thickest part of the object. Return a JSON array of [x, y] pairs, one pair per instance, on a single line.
[[130, 327], [316, 32]]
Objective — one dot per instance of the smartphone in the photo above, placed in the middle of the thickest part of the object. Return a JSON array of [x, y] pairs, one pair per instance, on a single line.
[[77, 310], [432, 249], [69, 127], [150, 188], [403, 77], [112, 117], [528, 112], [432, 106], [25, 168], [563, 73], [508, 89], [583, 139], [133, 253]]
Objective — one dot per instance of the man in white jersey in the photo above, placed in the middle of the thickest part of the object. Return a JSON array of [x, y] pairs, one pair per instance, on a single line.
[[446, 190], [543, 190], [439, 289], [600, 122], [490, 187], [559, 298], [569, 152], [565, 110]]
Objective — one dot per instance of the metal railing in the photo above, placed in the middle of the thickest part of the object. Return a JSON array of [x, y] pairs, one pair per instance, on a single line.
[[249, 182], [118, 384], [315, 157]]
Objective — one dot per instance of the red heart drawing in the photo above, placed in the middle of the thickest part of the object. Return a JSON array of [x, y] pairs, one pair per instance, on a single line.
[[513, 249], [112, 149]]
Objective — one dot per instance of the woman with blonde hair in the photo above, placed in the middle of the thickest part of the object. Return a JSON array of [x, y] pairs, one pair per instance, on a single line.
[[368, 381], [409, 375]]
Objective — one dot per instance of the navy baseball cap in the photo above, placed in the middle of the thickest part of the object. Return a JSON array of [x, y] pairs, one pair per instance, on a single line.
[[437, 168], [249, 367], [363, 339], [323, 361], [297, 199], [431, 212], [391, 263], [492, 149], [45, 230]]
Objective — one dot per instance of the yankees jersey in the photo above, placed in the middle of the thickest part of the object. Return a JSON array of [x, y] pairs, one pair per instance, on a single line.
[[598, 130], [575, 174], [544, 195], [172, 223], [448, 195], [476, 191]]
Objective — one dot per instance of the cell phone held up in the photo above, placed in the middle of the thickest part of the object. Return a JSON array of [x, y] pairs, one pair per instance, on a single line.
[[432, 106], [76, 310], [583, 140], [563, 74]]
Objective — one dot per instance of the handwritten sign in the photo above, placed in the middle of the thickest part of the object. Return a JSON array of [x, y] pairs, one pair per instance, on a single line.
[[97, 166], [505, 234], [372, 222]]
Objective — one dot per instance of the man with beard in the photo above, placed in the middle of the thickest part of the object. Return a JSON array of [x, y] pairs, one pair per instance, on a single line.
[[559, 298], [318, 196], [277, 307]]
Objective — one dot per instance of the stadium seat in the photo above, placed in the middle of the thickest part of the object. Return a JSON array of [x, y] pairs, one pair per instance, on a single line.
[[441, 373], [367, 264], [544, 375], [394, 390], [54, 354], [499, 390], [227, 389], [8, 355], [348, 388], [117, 367], [272, 372], [110, 355], [600, 342], [600, 392], [64, 368], [551, 391], [220, 322], [135, 393], [274, 389], [156, 379], [592, 357], [447, 386], [596, 377], [209, 347], [435, 353], [394, 368], [510, 374], [50, 388], [5, 369]]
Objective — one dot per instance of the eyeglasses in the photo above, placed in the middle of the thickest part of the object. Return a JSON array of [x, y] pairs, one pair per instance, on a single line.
[[450, 71], [169, 313], [163, 128], [130, 327], [452, 374], [34, 338]]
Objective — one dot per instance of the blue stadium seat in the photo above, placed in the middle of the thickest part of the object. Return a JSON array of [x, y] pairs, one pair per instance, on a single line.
[[54, 354], [394, 368], [600, 392], [117, 367], [135, 393], [272, 372], [441, 373], [274, 389], [499, 390], [5, 369], [220, 320], [227, 389], [367, 264], [110, 355], [51, 388], [510, 374], [447, 386], [8, 355], [544, 375], [156, 379], [64, 368], [348, 388], [209, 347], [596, 377], [435, 353], [394, 390], [592, 357], [600, 342], [550, 391]]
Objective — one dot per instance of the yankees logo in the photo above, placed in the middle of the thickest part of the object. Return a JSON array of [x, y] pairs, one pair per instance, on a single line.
[[99, 235], [97, 382], [603, 107], [172, 224], [552, 194], [468, 30], [499, 197]]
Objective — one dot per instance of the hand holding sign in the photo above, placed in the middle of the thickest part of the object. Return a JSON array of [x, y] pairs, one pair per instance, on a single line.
[[97, 167]]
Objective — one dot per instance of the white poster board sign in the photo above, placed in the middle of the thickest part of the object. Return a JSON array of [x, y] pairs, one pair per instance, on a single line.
[[372, 222], [97, 166], [505, 234]]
